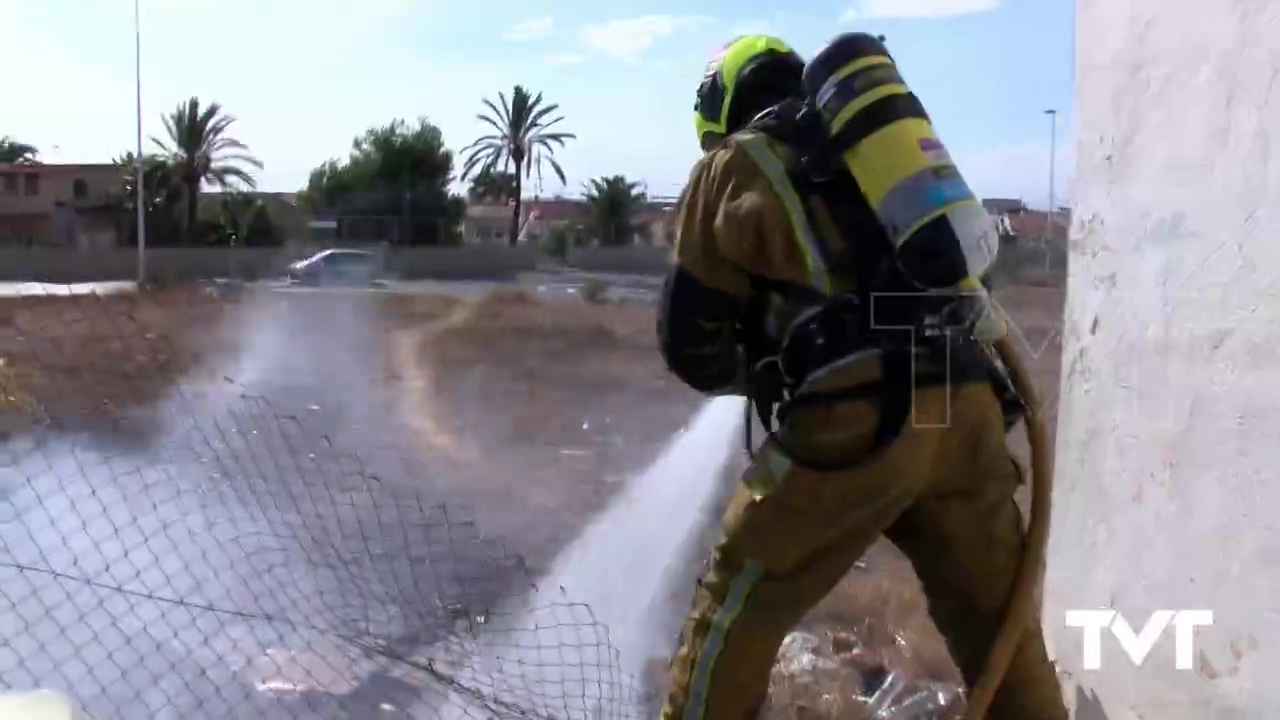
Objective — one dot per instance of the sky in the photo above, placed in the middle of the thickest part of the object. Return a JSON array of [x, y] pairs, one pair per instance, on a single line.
[[303, 77]]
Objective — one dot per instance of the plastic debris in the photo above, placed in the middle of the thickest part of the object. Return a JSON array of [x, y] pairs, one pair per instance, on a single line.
[[902, 699], [838, 677]]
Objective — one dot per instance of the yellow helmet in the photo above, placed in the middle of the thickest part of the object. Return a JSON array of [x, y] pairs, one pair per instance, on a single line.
[[746, 76]]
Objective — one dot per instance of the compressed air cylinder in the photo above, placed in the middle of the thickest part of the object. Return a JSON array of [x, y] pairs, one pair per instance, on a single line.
[[942, 233]]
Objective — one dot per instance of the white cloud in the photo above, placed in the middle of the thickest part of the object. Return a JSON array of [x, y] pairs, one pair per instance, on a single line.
[[875, 9], [566, 58], [628, 39], [535, 29]]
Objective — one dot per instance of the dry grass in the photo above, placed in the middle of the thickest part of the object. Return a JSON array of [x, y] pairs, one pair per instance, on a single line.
[[91, 355], [553, 399], [545, 369], [543, 362], [410, 310], [554, 402]]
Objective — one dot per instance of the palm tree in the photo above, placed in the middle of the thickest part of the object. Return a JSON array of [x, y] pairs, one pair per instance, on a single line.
[[200, 151], [521, 142], [12, 151], [614, 203]]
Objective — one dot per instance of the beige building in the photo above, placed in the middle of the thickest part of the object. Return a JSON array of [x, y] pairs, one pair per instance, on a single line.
[[658, 220], [57, 205], [488, 223]]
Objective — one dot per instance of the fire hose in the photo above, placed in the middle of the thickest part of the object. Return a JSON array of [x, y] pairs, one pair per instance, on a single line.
[[1025, 594]]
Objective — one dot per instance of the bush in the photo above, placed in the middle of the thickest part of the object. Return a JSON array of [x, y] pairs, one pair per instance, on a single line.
[[557, 243], [595, 291]]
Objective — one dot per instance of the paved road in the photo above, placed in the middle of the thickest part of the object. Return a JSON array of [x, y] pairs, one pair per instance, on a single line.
[[23, 289], [214, 572], [556, 285]]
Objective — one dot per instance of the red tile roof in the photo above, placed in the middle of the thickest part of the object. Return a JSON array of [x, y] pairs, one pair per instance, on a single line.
[[490, 211], [1035, 224], [557, 209]]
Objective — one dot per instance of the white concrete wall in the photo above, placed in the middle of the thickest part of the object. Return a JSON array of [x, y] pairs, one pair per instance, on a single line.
[[1169, 440]]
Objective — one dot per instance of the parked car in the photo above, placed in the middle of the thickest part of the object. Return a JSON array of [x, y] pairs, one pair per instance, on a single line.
[[336, 267]]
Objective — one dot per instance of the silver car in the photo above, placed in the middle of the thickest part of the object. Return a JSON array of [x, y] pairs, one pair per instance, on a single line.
[[336, 267]]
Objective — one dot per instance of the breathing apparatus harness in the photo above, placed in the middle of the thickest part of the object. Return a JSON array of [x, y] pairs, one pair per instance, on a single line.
[[790, 333]]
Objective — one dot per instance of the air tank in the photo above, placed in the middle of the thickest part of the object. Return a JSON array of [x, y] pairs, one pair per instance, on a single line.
[[942, 233]]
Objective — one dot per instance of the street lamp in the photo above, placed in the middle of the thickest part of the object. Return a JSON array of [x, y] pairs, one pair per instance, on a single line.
[[138, 170], [1049, 221], [1053, 151]]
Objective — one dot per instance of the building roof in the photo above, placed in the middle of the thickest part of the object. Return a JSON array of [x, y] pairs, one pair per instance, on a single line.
[[488, 211], [655, 214], [1035, 224], [557, 209], [47, 168], [1004, 205]]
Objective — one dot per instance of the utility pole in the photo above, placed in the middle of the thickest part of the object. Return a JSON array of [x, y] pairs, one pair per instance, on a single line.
[[139, 171], [1053, 207]]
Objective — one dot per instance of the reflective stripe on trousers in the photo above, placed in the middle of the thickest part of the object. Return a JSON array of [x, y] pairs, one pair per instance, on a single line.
[[739, 590]]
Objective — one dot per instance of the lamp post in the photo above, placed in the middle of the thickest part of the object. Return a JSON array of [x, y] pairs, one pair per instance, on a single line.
[[138, 170], [1049, 219]]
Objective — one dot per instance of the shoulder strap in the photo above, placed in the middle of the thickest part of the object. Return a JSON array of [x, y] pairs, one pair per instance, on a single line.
[[822, 180]]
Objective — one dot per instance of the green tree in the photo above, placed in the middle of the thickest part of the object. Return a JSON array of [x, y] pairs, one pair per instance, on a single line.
[[12, 151], [242, 220], [615, 201], [200, 150], [493, 186], [522, 142], [396, 170], [162, 195]]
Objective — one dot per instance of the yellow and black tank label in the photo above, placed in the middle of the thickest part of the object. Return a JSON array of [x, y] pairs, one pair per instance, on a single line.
[[885, 138]]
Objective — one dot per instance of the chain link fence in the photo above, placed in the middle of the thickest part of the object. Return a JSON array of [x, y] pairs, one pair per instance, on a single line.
[[220, 555]]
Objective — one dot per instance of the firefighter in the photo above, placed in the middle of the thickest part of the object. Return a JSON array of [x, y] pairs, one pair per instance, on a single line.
[[865, 340]]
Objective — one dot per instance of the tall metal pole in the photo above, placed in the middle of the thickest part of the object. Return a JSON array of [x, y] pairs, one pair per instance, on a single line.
[[139, 171], [1053, 207], [1052, 159]]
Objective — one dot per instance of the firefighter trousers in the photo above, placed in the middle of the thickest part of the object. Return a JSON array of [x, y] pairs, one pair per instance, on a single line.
[[942, 492]]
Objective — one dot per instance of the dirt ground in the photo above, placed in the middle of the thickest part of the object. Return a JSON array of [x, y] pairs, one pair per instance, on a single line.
[[544, 408], [75, 359], [557, 374]]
